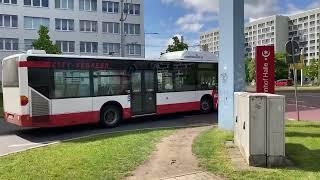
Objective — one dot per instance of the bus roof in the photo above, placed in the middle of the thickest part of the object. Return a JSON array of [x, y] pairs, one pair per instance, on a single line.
[[182, 56]]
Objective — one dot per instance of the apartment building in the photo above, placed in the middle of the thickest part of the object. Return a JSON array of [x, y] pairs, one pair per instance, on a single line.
[[82, 27], [275, 30], [209, 41], [305, 29]]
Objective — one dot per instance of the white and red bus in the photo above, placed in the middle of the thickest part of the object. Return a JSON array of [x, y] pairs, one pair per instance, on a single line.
[[42, 90]]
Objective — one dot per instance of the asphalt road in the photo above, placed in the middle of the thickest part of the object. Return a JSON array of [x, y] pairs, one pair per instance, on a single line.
[[14, 139], [309, 106]]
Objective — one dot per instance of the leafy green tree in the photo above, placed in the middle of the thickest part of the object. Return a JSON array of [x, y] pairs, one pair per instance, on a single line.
[[312, 71], [281, 66], [44, 42], [250, 65], [177, 45]]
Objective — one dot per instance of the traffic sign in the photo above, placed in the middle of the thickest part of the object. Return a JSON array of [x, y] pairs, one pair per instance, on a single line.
[[293, 52], [299, 65]]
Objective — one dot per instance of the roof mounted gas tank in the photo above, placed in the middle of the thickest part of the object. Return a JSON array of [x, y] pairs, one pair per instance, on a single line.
[[190, 55], [33, 51]]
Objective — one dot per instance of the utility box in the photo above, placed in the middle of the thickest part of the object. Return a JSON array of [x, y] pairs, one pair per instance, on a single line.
[[259, 128], [237, 113], [275, 130]]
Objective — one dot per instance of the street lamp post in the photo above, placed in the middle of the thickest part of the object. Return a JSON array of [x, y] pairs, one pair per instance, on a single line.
[[122, 34]]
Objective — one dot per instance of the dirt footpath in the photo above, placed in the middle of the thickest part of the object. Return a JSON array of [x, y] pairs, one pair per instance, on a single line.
[[173, 159]]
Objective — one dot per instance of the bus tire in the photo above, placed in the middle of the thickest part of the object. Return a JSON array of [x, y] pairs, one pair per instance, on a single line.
[[110, 116], [206, 105]]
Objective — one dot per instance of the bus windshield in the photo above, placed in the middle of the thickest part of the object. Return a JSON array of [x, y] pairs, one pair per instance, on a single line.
[[10, 73]]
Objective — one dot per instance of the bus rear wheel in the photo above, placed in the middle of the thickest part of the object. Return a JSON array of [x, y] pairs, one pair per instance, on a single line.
[[110, 116], [206, 105]]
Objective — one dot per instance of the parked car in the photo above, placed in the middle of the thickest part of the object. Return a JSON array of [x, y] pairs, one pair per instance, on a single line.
[[284, 82]]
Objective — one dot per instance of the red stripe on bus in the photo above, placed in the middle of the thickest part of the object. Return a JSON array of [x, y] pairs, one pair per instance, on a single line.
[[180, 107], [35, 64], [71, 119], [59, 120]]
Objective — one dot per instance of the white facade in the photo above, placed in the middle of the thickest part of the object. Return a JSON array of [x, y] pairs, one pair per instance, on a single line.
[[305, 28], [81, 27], [275, 30]]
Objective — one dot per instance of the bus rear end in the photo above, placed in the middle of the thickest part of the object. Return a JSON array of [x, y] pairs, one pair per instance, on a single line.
[[14, 101]]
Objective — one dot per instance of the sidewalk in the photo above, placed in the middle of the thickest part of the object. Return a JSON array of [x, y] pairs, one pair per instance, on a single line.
[[173, 159]]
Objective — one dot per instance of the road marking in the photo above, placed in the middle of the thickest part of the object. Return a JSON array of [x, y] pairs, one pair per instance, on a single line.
[[28, 144]]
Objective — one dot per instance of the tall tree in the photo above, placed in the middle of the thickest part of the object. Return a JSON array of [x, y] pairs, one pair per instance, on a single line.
[[281, 66], [44, 42], [250, 65], [177, 45], [312, 71]]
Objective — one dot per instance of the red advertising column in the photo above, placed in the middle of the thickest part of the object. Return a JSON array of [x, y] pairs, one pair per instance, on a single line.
[[265, 69]]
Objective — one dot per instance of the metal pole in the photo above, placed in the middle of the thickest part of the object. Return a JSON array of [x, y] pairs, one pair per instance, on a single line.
[[296, 92], [122, 34]]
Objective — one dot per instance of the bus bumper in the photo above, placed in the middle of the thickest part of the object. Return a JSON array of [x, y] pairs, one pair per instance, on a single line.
[[52, 120], [19, 120]]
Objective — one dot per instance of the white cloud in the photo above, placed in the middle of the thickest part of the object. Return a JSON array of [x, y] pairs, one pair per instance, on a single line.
[[256, 9], [193, 22], [293, 9], [201, 6], [199, 10]]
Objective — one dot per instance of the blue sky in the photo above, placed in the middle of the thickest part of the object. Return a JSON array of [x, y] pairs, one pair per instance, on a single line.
[[190, 17]]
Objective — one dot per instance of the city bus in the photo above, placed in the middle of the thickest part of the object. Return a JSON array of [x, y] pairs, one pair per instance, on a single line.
[[45, 90]]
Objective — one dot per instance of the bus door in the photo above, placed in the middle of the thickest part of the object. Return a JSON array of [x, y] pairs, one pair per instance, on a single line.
[[143, 94]]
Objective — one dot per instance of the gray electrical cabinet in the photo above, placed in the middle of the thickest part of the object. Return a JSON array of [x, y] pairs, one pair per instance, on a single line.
[[259, 128]]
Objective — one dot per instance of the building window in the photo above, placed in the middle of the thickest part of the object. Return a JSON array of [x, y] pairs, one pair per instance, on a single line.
[[133, 9], [71, 83], [111, 48], [133, 29], [8, 20], [88, 26], [88, 47], [64, 24], [64, 4], [9, 44], [35, 22], [8, 1], [110, 83], [110, 27], [88, 5], [134, 49], [110, 7], [66, 46], [28, 44], [36, 3]]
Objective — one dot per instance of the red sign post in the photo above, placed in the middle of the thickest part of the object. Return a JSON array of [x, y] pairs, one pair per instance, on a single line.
[[265, 69]]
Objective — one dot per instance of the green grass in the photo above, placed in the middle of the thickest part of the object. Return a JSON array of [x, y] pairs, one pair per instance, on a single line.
[[302, 147], [103, 157]]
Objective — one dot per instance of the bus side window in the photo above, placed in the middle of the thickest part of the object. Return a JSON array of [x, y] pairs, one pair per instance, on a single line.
[[71, 83], [111, 82], [207, 77], [39, 80]]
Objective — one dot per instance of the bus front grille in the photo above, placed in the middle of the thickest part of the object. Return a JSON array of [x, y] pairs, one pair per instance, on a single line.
[[40, 105]]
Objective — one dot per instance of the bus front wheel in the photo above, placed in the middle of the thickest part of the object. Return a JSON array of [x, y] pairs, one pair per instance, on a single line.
[[206, 105], [110, 116]]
